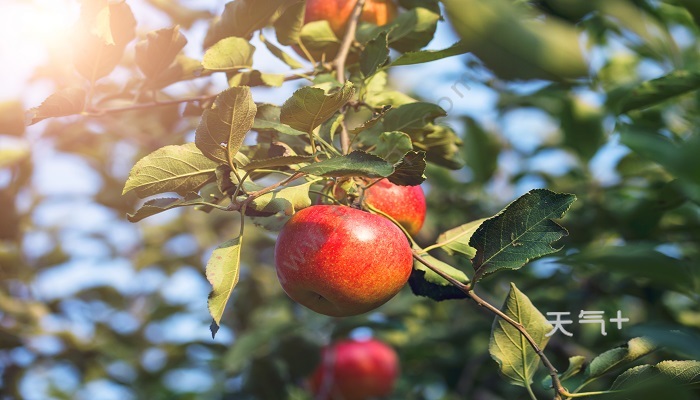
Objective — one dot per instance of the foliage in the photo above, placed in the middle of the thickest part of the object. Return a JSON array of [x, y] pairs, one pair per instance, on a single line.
[[209, 173]]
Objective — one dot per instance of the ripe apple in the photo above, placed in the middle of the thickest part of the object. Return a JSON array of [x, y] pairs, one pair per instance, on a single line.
[[338, 12], [405, 204], [355, 370], [341, 261]]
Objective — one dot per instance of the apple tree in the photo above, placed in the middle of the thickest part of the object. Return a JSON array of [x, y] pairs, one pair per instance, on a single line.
[[559, 253]]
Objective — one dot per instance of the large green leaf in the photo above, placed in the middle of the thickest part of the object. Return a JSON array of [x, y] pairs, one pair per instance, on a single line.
[[223, 127], [311, 106], [229, 54], [357, 163], [456, 240], [515, 48], [241, 18], [425, 282], [522, 231], [181, 169], [155, 53], [517, 360], [223, 269], [649, 93]]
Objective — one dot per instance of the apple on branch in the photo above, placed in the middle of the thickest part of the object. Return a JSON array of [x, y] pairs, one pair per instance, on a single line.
[[355, 370], [341, 261]]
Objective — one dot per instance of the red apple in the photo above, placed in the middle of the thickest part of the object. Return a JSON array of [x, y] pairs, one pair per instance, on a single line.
[[405, 204], [337, 12], [341, 261], [355, 370]]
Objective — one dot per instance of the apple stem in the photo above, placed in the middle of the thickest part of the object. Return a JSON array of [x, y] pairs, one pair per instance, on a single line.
[[341, 59], [559, 389]]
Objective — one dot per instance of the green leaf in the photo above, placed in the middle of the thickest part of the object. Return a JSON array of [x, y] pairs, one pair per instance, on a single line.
[[288, 25], [582, 125], [255, 78], [625, 354], [442, 145], [676, 372], [424, 282], [680, 340], [223, 127], [456, 240], [180, 169], [156, 206], [392, 146], [155, 53], [375, 54], [639, 261], [357, 163], [409, 171], [267, 119], [281, 54], [241, 18], [522, 231], [411, 30], [310, 106], [229, 54], [184, 68], [412, 117], [275, 162], [223, 269], [288, 200], [649, 93], [480, 150], [68, 101], [266, 126], [517, 360], [424, 56], [680, 159], [498, 33], [104, 32], [317, 36], [12, 118]]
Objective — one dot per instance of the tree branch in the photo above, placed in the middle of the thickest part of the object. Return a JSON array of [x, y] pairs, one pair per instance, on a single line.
[[341, 59], [559, 389], [142, 106]]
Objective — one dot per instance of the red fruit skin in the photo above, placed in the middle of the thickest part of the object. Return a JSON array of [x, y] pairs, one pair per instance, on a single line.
[[340, 261], [337, 12], [359, 370], [405, 204]]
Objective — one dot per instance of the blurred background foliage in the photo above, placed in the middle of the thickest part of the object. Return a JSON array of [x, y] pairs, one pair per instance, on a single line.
[[93, 307]]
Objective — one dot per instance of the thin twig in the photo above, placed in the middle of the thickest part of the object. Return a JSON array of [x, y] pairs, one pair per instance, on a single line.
[[102, 111], [341, 59], [559, 389]]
